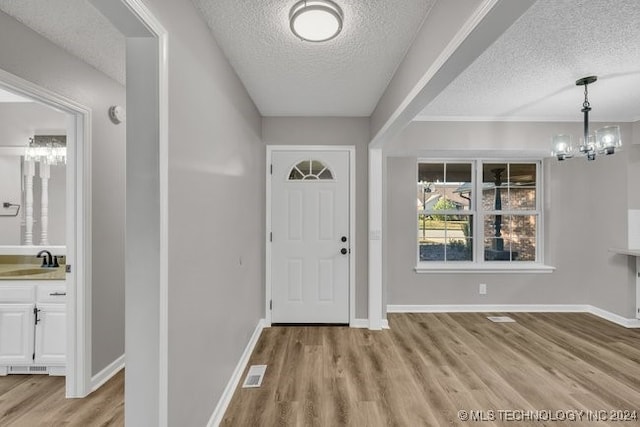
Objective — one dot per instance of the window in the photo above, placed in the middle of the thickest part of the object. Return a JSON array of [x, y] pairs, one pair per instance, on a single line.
[[310, 170], [478, 212]]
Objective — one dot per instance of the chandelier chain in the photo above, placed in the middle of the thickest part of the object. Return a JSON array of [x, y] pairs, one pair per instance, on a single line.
[[586, 104]]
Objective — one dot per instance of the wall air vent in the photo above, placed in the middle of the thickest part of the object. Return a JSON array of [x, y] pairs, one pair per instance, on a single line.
[[29, 370]]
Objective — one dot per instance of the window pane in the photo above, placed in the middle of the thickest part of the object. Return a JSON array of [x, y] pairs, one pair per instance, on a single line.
[[496, 226], [432, 250], [458, 185], [317, 167], [430, 182], [431, 172], [494, 186], [523, 236], [525, 248], [459, 249], [310, 170], [510, 237], [326, 174], [522, 198], [448, 238], [496, 242], [295, 174], [493, 254], [522, 186], [444, 187]]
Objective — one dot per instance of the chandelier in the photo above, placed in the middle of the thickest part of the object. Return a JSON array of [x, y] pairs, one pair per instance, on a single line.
[[47, 149], [604, 141]]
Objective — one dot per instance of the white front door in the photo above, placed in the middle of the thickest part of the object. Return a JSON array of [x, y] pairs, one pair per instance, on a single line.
[[310, 246]]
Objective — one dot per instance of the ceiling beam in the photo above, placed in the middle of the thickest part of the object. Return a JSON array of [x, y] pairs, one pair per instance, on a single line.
[[453, 35]]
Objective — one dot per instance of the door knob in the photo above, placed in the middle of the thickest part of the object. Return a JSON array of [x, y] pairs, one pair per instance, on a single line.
[[343, 251], [343, 239]]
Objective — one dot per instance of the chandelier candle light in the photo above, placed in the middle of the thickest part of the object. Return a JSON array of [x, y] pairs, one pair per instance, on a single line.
[[605, 140], [47, 151]]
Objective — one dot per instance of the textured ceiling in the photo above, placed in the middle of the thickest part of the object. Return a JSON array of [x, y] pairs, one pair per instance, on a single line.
[[6, 96], [342, 77], [76, 26], [530, 72]]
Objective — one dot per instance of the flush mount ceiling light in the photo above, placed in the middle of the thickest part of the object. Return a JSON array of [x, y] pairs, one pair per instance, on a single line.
[[315, 20], [605, 140]]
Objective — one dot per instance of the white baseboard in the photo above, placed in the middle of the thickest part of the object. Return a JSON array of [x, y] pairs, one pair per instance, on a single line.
[[486, 308], [515, 308], [359, 323], [105, 375], [227, 394], [612, 317], [364, 323]]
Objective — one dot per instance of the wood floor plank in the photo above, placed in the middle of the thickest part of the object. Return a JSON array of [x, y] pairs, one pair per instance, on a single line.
[[428, 367], [39, 400]]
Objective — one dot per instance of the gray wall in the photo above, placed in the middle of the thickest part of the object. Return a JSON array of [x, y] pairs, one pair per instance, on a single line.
[[23, 53], [216, 216], [334, 131], [633, 147], [585, 214]]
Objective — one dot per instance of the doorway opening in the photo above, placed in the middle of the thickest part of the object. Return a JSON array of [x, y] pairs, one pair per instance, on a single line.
[[78, 233]]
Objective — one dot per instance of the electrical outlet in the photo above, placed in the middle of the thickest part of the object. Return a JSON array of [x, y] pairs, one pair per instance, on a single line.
[[483, 289]]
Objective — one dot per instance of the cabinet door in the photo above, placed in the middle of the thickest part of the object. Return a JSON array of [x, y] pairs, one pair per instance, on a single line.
[[51, 333], [16, 334]]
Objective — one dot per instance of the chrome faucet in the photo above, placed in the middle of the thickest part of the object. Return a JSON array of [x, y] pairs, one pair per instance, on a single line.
[[48, 260]]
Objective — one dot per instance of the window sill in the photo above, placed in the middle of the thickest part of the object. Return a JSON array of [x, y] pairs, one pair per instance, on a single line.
[[519, 268]]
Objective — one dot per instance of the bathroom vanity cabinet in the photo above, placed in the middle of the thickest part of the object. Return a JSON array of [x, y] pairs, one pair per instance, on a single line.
[[33, 327]]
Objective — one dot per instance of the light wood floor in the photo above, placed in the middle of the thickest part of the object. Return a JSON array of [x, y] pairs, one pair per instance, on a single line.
[[38, 401], [430, 366]]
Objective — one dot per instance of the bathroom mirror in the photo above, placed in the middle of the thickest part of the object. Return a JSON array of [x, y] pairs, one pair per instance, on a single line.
[[32, 199]]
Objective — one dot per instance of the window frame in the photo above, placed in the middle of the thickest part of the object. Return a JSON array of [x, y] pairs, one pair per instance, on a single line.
[[478, 263]]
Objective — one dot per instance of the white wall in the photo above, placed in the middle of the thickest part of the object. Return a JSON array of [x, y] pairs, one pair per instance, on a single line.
[[585, 214], [28, 55], [19, 121], [334, 131], [216, 216], [438, 29]]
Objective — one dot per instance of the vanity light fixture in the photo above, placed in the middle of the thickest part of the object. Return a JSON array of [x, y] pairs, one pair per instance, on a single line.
[[605, 140], [315, 20], [48, 149]]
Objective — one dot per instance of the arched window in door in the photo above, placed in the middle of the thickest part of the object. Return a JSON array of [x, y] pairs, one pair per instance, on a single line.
[[310, 170]]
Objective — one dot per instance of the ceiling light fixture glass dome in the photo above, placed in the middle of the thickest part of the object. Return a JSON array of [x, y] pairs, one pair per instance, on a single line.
[[315, 20]]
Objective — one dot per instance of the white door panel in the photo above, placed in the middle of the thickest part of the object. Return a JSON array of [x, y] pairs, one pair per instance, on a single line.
[[310, 215], [16, 334], [51, 344]]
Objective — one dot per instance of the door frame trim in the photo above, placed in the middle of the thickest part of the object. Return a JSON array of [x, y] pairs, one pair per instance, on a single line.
[[351, 149], [78, 236]]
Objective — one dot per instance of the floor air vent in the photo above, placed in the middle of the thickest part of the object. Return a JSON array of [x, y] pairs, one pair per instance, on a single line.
[[28, 370], [501, 319], [254, 376]]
